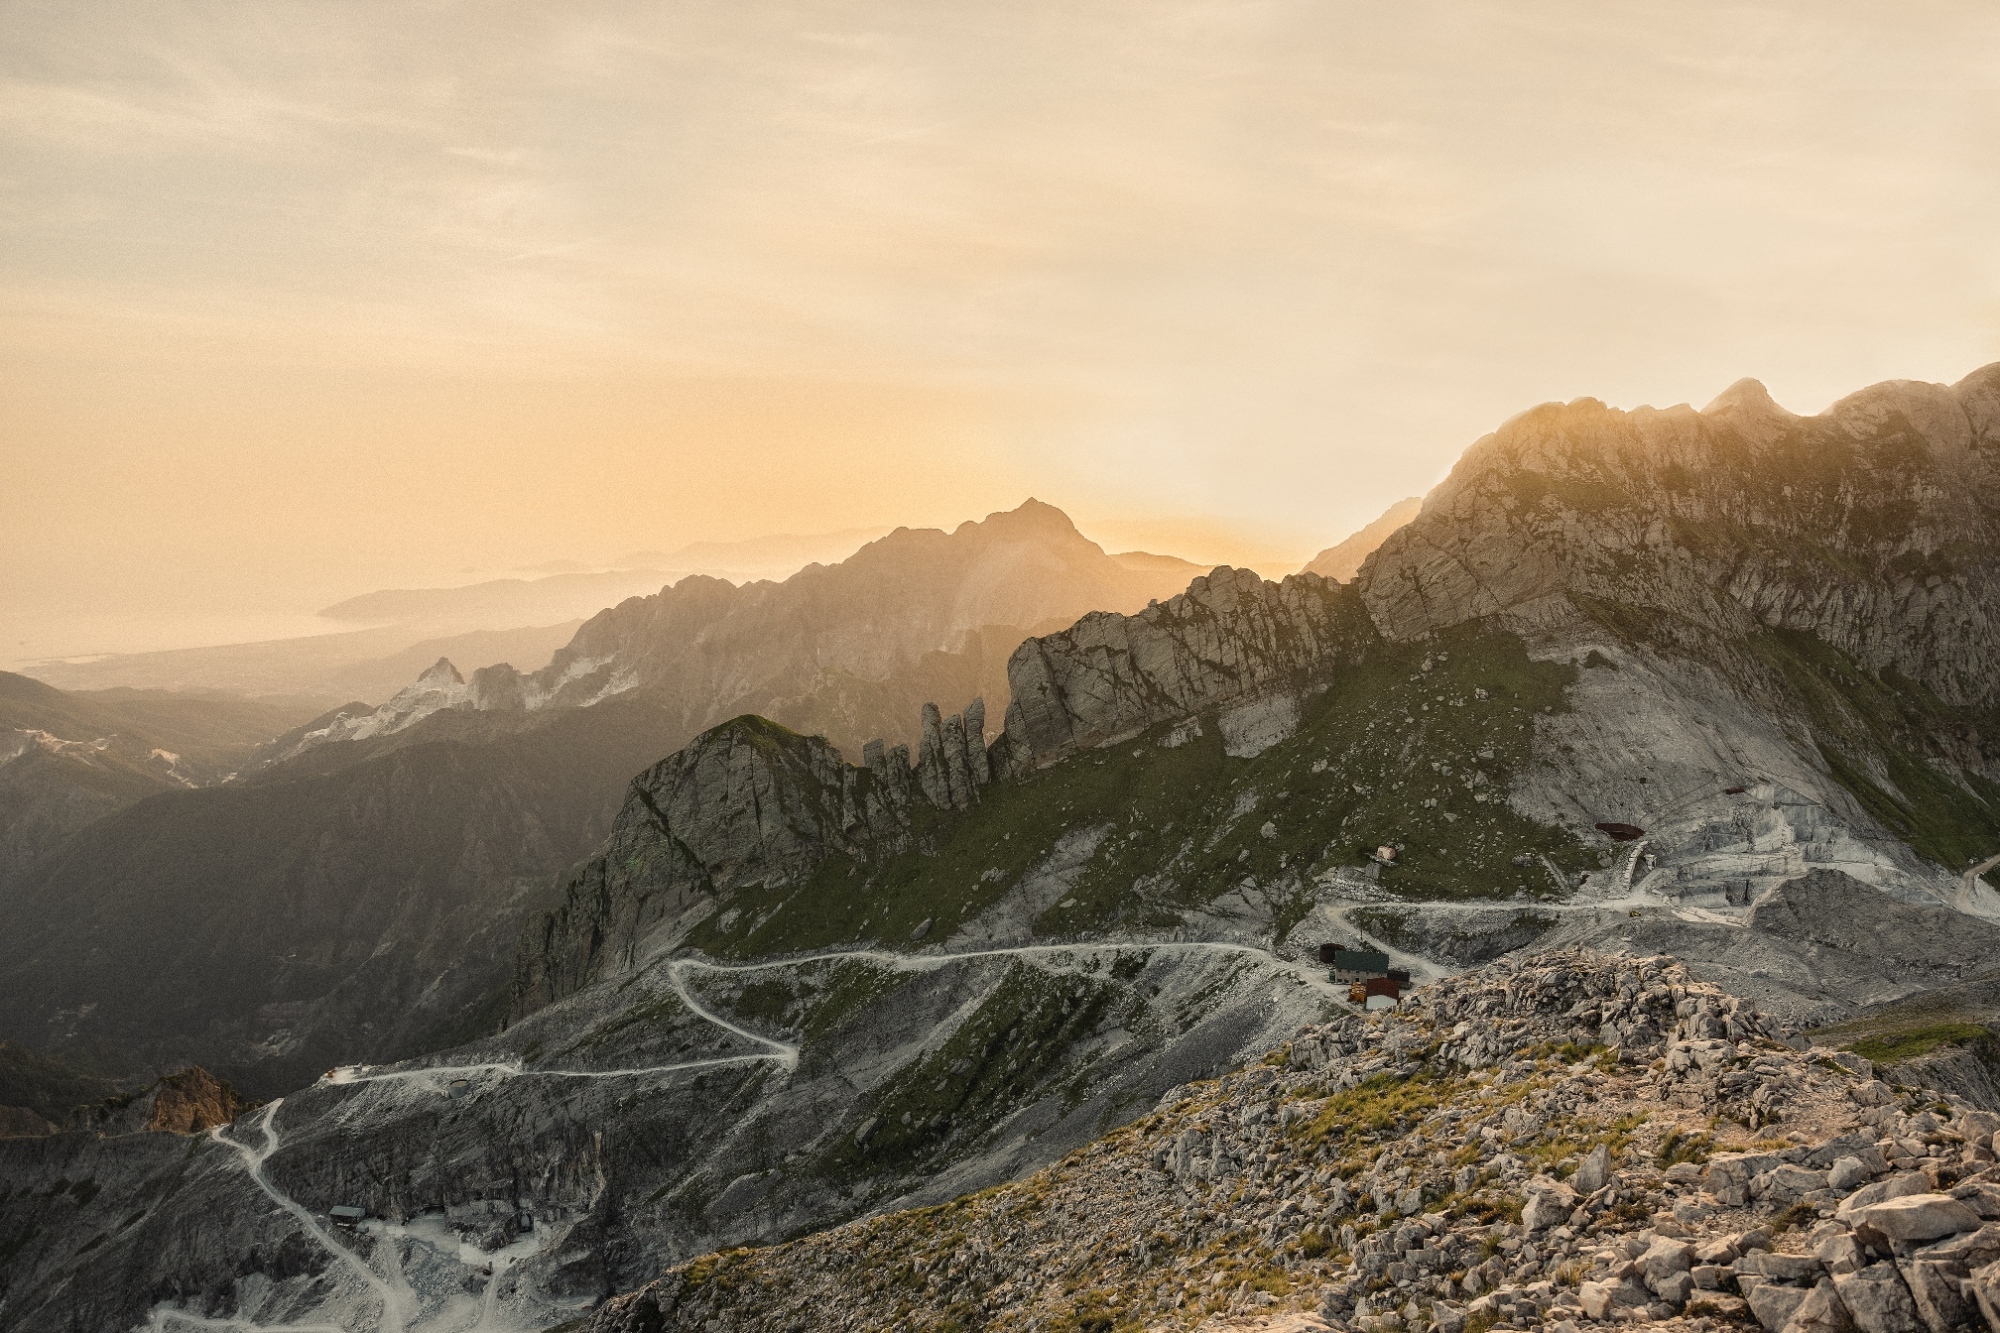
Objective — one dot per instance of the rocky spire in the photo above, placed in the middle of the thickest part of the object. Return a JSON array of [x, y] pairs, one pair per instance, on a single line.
[[951, 765], [891, 768], [975, 743], [931, 775]]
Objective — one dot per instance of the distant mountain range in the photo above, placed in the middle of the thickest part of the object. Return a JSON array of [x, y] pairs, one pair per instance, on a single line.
[[848, 650], [68, 760], [366, 664], [502, 601], [520, 621], [357, 893]]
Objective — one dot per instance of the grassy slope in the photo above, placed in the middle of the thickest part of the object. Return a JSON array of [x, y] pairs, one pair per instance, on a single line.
[[1879, 735], [49, 1087], [1186, 823]]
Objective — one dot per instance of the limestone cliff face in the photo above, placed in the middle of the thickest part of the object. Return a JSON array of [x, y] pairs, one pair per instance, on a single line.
[[1230, 638], [1874, 526], [748, 803]]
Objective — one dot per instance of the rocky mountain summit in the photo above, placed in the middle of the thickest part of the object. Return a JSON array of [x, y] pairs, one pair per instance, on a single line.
[[1874, 526], [1554, 1141], [849, 650], [1809, 601]]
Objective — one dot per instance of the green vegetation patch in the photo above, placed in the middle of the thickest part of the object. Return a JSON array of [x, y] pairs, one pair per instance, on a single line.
[[1020, 1036], [1878, 733], [1413, 746], [1677, 1147], [656, 1012], [850, 987], [1385, 1106], [1909, 1043]]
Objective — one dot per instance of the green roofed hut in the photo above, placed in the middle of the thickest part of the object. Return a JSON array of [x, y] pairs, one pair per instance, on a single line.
[[1359, 964]]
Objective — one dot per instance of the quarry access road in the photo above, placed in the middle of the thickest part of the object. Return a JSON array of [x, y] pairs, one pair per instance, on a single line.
[[400, 1306], [396, 1303], [1969, 881], [787, 1053], [1307, 973]]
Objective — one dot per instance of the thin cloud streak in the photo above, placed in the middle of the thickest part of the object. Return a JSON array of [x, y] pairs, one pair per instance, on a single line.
[[1266, 266]]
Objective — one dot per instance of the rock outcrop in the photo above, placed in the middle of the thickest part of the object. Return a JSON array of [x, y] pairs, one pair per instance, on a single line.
[[1232, 639], [951, 761], [748, 804], [191, 1101], [1479, 1158], [1874, 526]]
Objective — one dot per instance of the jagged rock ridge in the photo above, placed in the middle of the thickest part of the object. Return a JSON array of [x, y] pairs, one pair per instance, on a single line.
[[752, 803], [1232, 637], [1874, 526], [843, 649]]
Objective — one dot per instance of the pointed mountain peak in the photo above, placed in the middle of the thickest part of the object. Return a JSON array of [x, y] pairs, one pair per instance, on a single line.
[[1032, 516], [1748, 406], [441, 672]]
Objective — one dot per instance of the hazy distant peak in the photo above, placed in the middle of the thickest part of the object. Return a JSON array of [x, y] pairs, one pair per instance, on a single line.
[[1343, 561], [1032, 516], [501, 603], [441, 672], [1748, 406], [1163, 564]]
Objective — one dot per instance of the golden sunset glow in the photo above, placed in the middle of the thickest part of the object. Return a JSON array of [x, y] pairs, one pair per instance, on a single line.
[[302, 300]]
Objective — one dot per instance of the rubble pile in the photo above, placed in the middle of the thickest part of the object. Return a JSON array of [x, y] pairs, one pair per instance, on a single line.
[[1554, 1141]]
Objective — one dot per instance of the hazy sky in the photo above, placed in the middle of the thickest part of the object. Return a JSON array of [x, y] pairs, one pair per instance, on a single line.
[[298, 300]]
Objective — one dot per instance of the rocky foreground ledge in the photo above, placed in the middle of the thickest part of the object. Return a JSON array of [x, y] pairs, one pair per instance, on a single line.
[[1554, 1141]]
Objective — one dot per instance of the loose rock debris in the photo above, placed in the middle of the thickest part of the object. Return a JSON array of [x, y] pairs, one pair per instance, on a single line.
[[1551, 1142]]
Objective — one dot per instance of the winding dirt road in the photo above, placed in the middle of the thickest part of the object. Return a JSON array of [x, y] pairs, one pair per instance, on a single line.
[[399, 1304]]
